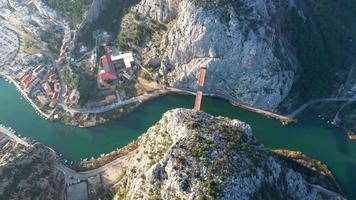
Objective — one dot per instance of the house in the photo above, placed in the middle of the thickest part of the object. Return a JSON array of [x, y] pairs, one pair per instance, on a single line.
[[38, 71], [65, 91], [25, 79], [52, 77], [43, 100], [31, 83], [74, 97], [53, 104], [55, 96], [47, 89], [57, 87]]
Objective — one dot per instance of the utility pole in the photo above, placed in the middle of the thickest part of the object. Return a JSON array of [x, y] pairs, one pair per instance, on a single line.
[[199, 94]]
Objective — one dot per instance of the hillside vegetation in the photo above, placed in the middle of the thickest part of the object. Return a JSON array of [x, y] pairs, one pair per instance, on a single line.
[[189, 155], [324, 36], [75, 9]]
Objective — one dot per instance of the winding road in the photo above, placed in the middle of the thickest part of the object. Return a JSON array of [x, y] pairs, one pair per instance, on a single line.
[[306, 105], [72, 176]]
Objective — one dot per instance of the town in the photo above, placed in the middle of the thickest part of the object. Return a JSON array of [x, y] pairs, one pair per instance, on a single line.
[[40, 63]]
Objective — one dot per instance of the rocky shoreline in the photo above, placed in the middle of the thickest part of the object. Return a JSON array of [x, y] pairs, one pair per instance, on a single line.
[[184, 138]]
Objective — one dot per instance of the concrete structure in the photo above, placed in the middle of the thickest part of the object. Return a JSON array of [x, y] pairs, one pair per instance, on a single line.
[[126, 57], [199, 94]]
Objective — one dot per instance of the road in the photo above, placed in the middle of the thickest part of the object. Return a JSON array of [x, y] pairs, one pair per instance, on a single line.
[[73, 176], [306, 105], [116, 105], [14, 137]]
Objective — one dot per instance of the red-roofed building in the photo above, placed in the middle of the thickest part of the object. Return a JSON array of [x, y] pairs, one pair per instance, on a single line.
[[48, 89], [26, 78], [55, 95], [38, 71], [53, 104], [108, 72], [52, 77], [31, 83], [108, 48], [57, 87]]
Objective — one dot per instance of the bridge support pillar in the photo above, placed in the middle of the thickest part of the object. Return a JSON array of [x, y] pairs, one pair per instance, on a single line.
[[199, 95]]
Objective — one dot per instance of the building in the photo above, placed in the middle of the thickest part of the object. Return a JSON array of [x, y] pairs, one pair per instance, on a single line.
[[52, 77], [65, 91], [25, 78], [43, 100], [57, 87], [53, 104], [38, 71], [48, 89], [55, 96], [126, 57], [31, 84], [108, 71], [74, 97]]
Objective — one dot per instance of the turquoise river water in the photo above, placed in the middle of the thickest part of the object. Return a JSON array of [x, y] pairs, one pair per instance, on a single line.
[[310, 135]]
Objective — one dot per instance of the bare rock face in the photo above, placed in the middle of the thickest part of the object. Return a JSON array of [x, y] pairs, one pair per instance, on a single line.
[[240, 43], [189, 155], [94, 12], [28, 173]]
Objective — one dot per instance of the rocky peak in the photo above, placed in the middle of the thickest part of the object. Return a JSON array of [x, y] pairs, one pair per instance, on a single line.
[[189, 155], [240, 42]]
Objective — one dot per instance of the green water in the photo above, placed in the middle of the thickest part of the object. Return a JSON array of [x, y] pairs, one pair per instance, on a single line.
[[310, 135]]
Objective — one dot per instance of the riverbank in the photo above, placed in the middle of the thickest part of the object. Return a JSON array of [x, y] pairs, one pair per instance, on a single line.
[[76, 144], [86, 118], [25, 95]]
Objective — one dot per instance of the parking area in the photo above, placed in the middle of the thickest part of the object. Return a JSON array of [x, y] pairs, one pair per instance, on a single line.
[[77, 191]]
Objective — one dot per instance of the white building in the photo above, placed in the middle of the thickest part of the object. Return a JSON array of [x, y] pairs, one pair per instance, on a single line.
[[126, 57]]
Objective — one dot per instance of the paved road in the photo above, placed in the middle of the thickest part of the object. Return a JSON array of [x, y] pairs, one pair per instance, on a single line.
[[67, 171], [73, 176], [114, 106], [306, 105], [13, 137]]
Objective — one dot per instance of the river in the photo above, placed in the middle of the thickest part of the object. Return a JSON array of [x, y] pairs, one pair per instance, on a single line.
[[310, 135]]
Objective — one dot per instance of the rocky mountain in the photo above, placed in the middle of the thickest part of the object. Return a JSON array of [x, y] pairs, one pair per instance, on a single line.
[[240, 42], [28, 173], [189, 155], [270, 54], [102, 15]]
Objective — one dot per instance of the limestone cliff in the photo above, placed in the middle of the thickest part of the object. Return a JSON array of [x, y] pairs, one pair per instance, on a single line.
[[103, 15], [27, 173], [189, 155], [248, 58]]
